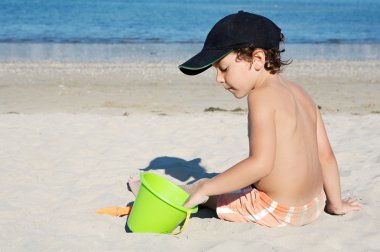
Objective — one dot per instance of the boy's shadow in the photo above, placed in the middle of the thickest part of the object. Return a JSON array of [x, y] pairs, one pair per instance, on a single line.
[[180, 169], [188, 171]]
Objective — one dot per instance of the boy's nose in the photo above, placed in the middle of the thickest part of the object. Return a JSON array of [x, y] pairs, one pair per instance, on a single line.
[[219, 78]]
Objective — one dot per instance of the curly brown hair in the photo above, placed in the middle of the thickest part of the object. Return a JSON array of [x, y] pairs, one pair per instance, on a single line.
[[273, 62]]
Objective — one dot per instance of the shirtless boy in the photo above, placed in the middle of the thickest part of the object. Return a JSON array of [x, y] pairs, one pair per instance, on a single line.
[[291, 169]]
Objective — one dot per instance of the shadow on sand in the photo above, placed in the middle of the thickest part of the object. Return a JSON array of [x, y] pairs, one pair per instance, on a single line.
[[179, 168]]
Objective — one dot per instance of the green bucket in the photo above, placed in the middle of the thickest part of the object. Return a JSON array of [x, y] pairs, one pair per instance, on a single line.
[[158, 206]]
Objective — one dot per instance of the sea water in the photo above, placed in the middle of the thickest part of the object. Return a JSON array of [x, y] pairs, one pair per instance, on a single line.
[[154, 30]]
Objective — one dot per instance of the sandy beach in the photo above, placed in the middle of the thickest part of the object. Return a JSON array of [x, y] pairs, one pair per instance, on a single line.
[[73, 133]]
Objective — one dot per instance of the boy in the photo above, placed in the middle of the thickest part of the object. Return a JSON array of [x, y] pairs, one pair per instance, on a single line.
[[291, 165]]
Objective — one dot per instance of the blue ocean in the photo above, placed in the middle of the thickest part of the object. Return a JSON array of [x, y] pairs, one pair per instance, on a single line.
[[124, 29]]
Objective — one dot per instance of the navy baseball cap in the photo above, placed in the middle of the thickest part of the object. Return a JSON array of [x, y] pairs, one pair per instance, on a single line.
[[233, 32]]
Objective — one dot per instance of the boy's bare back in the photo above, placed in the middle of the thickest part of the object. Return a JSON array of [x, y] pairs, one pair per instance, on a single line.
[[296, 176], [290, 161]]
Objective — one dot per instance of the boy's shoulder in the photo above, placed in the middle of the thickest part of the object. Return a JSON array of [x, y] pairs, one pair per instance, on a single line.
[[262, 101], [275, 96], [263, 96]]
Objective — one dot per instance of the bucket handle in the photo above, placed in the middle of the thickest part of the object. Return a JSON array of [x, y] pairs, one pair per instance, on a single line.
[[184, 224]]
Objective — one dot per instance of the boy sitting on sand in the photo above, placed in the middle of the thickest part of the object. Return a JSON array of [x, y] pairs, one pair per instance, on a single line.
[[291, 166]]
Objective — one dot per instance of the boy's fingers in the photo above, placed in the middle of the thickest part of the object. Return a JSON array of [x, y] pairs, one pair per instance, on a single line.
[[356, 203], [353, 200], [356, 208]]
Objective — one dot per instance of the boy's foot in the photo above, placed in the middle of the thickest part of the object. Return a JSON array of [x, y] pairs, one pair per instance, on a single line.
[[134, 185]]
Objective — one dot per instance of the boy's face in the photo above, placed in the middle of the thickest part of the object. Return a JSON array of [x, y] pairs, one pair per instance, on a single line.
[[237, 76]]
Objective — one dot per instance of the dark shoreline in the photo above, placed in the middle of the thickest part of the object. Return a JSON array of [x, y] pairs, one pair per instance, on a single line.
[[168, 52]]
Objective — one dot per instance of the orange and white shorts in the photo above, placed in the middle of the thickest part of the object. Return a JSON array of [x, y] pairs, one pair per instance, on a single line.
[[252, 205]]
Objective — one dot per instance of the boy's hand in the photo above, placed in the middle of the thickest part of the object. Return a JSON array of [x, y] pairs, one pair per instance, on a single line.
[[348, 205], [195, 200], [196, 196]]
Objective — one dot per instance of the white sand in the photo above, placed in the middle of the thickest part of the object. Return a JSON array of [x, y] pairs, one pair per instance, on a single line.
[[64, 155]]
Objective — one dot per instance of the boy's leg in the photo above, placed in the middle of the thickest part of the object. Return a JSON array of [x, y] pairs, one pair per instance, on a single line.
[[134, 185]]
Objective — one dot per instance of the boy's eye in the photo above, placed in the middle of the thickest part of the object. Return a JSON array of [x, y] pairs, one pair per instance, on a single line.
[[224, 69]]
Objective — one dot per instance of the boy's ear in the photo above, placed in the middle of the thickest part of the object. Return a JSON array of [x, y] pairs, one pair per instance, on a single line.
[[258, 59]]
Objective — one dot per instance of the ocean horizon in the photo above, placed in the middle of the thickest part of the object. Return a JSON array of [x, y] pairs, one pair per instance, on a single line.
[[170, 21]]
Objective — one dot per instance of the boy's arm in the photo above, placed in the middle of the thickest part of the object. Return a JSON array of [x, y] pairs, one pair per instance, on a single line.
[[330, 172], [251, 169]]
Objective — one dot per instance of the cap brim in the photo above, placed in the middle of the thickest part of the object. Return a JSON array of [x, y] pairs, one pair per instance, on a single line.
[[203, 60]]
